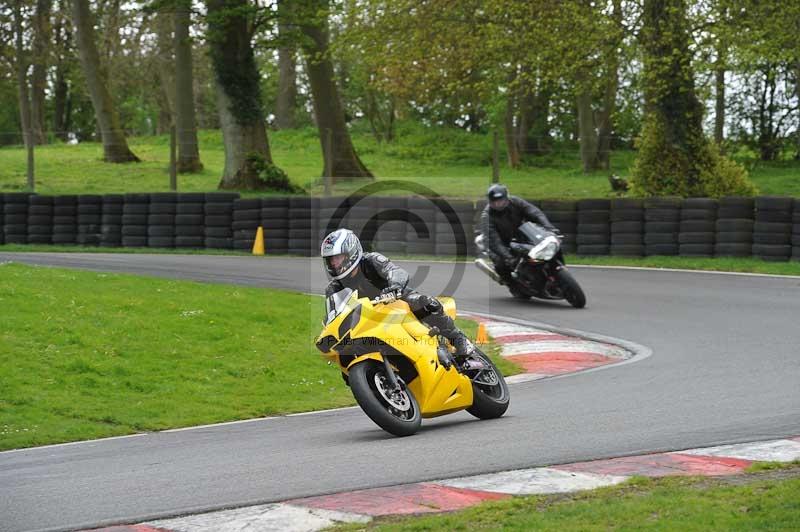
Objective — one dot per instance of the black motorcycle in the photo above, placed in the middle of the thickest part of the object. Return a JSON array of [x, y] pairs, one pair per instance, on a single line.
[[540, 270]]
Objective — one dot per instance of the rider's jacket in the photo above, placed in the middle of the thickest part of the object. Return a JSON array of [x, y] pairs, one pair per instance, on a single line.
[[498, 227], [374, 273]]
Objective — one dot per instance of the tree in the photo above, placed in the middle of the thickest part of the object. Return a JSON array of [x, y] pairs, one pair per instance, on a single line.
[[286, 100], [185, 123], [675, 157], [341, 160], [41, 44], [230, 32], [22, 77], [115, 146]]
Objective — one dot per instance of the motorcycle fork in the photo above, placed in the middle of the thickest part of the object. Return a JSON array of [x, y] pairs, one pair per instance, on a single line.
[[390, 375]]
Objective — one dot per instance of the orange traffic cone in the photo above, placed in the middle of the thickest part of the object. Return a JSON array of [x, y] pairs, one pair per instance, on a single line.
[[482, 337], [258, 245]]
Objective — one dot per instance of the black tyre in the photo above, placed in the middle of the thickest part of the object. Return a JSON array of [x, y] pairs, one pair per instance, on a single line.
[[490, 396], [573, 292], [696, 238], [627, 250], [395, 412], [662, 215], [626, 239], [592, 240], [592, 249]]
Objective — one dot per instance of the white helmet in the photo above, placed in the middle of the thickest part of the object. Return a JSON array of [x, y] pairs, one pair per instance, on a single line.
[[341, 252]]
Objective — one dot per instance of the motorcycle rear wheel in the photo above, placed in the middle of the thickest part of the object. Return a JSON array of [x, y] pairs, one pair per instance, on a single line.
[[573, 292], [489, 401], [401, 416]]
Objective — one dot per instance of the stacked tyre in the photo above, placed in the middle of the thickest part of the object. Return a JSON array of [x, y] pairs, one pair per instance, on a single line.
[[65, 219], [421, 228], [189, 220], [15, 217], [662, 224], [246, 219], [772, 231], [134, 220], [796, 230], [698, 227], [362, 219], [332, 214], [303, 226], [627, 227], [391, 235], [734, 226], [563, 215], [218, 221], [594, 224], [161, 220], [454, 228], [275, 221], [90, 218], [40, 220], [111, 220]]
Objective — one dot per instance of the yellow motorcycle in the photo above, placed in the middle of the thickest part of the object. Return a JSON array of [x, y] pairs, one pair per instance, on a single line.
[[401, 371]]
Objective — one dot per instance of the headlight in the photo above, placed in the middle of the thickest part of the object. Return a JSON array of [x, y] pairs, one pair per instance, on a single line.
[[546, 249]]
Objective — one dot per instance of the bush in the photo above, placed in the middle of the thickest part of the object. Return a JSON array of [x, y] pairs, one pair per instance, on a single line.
[[699, 169], [273, 177]]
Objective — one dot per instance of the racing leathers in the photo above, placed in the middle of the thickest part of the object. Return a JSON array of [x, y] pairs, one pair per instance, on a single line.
[[499, 226], [377, 275]]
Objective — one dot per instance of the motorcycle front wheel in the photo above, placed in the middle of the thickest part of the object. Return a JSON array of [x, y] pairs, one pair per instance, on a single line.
[[490, 395], [573, 292], [396, 412]]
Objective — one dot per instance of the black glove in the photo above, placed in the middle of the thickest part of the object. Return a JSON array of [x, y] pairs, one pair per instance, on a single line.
[[510, 262], [393, 289]]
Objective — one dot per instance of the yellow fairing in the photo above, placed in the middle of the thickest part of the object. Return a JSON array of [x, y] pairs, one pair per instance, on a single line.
[[393, 330]]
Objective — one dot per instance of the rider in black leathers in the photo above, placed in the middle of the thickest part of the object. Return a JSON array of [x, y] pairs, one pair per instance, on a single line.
[[499, 222], [372, 274]]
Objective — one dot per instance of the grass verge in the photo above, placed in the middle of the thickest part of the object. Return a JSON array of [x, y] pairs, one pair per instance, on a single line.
[[767, 500], [87, 355], [449, 161]]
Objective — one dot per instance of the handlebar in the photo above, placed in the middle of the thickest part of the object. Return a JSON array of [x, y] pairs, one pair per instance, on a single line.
[[388, 297]]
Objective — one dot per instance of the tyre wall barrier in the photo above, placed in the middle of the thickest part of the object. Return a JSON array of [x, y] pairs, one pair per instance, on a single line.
[[767, 227]]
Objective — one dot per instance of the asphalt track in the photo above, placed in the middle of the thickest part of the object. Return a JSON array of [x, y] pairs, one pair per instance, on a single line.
[[725, 368]]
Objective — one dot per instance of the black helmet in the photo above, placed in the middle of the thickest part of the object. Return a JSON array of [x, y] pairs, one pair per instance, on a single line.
[[341, 252], [497, 196]]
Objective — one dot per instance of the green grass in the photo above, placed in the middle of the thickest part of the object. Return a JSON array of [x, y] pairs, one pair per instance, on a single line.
[[448, 161], [756, 502], [87, 355], [720, 264]]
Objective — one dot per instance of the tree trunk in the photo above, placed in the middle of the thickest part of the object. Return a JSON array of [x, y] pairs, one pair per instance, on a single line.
[[510, 130], [115, 146], [287, 69], [587, 133], [185, 122], [287, 89], [61, 86], [605, 117], [238, 95], [719, 95], [797, 95], [327, 103], [41, 40], [22, 77], [165, 67]]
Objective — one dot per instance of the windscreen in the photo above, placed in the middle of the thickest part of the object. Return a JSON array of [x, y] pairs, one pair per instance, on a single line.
[[532, 232], [339, 302]]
